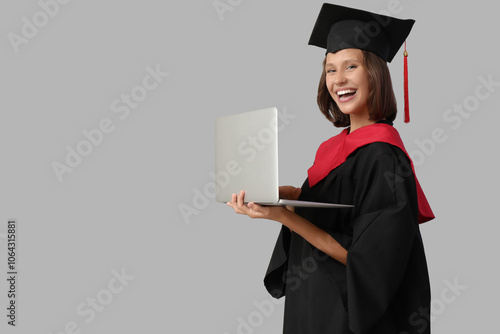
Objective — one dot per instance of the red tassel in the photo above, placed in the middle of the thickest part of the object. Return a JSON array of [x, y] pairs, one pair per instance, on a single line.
[[407, 102]]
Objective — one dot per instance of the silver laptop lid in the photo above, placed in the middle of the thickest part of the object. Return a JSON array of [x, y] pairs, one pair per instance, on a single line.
[[246, 156]]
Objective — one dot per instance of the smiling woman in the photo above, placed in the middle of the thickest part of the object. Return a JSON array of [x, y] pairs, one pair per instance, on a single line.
[[359, 270], [381, 101]]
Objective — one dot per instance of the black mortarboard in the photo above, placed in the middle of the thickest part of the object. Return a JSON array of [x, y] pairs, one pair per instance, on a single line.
[[339, 27]]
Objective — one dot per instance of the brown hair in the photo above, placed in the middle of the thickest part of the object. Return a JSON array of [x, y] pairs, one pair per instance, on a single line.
[[381, 99]]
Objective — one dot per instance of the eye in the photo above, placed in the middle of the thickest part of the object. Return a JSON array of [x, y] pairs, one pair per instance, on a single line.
[[330, 70], [351, 67]]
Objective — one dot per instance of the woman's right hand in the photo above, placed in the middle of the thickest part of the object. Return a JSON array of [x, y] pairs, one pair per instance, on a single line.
[[289, 192]]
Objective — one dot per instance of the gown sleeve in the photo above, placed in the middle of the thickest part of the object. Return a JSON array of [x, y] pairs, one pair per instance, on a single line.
[[274, 280], [385, 229]]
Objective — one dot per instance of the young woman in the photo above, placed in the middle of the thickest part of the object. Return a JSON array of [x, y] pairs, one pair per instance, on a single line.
[[362, 269]]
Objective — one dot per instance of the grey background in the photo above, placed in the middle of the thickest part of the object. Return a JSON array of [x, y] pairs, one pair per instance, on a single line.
[[120, 208]]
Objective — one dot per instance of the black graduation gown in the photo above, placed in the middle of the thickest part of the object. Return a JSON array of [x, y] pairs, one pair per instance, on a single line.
[[384, 288]]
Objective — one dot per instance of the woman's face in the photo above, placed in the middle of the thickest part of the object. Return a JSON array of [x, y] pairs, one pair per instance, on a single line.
[[347, 81]]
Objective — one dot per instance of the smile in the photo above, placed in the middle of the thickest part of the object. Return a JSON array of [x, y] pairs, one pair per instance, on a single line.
[[346, 94]]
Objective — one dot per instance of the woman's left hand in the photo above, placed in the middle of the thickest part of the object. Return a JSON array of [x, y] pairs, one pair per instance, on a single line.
[[254, 210]]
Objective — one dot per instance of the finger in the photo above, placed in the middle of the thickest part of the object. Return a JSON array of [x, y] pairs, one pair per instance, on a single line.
[[241, 199], [259, 211], [255, 208], [234, 204], [284, 191], [233, 200], [289, 192], [251, 210], [252, 206]]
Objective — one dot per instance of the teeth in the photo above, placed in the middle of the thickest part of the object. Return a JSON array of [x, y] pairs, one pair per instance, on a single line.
[[347, 91]]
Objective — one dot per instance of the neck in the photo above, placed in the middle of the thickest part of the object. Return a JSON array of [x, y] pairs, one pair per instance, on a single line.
[[358, 122]]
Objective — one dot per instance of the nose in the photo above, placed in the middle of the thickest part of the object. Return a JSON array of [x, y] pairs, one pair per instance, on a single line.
[[340, 78]]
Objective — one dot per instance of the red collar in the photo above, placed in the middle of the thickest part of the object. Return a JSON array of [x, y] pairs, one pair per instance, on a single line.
[[334, 152]]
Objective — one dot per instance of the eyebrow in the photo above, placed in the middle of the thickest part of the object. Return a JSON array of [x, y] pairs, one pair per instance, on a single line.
[[350, 60]]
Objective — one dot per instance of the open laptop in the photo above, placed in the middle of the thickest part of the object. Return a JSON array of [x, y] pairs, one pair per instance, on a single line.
[[246, 158]]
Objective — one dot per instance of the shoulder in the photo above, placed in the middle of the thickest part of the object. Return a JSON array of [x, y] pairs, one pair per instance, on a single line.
[[381, 158], [379, 150], [375, 139]]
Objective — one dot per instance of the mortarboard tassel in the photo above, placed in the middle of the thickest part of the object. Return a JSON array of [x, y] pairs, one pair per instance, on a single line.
[[407, 103]]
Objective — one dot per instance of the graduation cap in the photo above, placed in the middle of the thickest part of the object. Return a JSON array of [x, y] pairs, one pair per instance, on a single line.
[[339, 27]]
